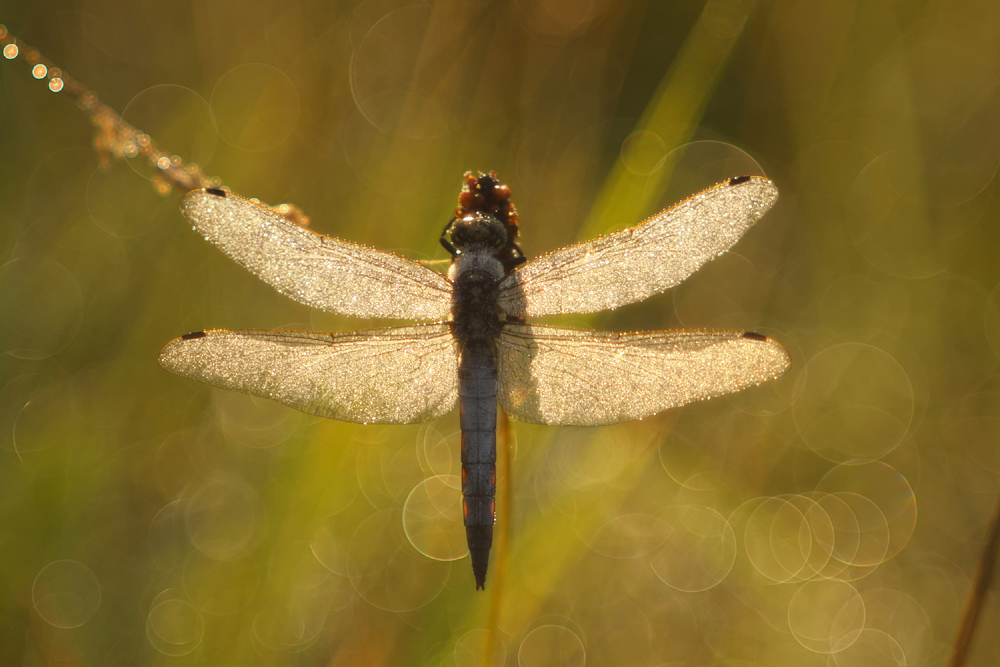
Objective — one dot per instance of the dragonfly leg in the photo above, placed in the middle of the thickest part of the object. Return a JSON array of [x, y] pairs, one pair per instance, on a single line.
[[516, 257], [445, 242]]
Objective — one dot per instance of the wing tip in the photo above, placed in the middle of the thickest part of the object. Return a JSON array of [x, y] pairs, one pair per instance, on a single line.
[[190, 200], [747, 178], [773, 359], [195, 197], [763, 183], [172, 351], [168, 355], [777, 355]]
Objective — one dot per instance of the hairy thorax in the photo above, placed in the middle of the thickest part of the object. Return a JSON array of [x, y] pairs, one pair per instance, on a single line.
[[475, 313]]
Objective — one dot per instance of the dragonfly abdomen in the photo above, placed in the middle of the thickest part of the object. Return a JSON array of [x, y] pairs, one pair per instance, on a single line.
[[477, 401], [476, 326]]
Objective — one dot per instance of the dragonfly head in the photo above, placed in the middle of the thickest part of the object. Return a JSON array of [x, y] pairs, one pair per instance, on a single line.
[[484, 194]]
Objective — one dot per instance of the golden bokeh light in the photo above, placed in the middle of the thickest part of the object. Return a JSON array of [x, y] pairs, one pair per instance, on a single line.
[[834, 517]]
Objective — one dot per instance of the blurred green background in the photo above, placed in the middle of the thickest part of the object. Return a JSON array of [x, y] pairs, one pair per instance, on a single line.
[[833, 517]]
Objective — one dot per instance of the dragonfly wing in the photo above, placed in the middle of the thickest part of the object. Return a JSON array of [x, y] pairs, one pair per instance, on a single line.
[[401, 375], [633, 264], [572, 377], [319, 271]]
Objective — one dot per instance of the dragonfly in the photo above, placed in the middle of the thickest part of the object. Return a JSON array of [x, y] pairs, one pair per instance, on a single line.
[[475, 347]]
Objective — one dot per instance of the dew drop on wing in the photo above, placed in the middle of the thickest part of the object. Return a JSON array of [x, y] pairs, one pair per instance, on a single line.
[[319, 271], [655, 255]]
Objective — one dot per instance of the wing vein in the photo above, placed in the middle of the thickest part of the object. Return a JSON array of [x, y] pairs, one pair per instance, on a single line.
[[401, 375], [320, 271], [551, 375], [633, 264]]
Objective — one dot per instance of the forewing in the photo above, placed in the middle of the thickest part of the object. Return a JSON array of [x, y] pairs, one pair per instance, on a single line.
[[633, 264], [572, 377], [401, 375], [319, 271]]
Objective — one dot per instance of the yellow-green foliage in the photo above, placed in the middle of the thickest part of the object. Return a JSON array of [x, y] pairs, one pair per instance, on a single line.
[[833, 517]]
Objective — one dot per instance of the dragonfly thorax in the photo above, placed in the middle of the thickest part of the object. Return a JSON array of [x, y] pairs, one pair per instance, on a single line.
[[475, 276], [478, 231]]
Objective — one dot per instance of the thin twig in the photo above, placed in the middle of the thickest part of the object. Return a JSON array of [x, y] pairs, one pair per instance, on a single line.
[[977, 594], [115, 138], [500, 554]]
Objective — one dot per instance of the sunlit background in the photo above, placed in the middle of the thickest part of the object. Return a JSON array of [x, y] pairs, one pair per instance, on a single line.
[[833, 517]]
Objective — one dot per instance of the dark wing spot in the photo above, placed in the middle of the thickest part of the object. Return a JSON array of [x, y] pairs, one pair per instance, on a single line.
[[738, 180], [192, 336], [754, 336], [215, 191]]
